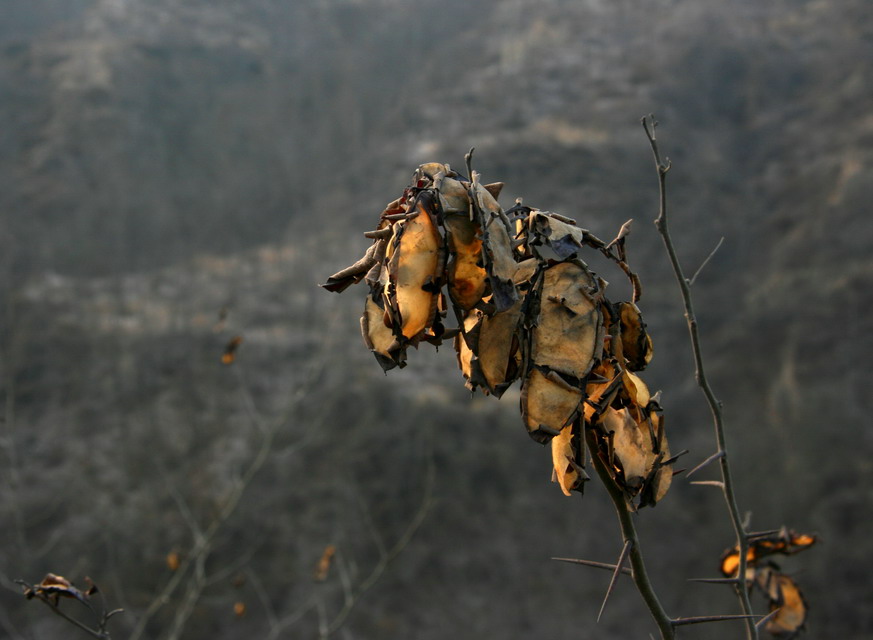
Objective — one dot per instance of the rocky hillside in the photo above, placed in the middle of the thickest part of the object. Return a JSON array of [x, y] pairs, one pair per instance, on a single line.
[[175, 174]]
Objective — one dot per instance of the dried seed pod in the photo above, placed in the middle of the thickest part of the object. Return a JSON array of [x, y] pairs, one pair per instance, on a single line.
[[488, 350], [413, 270], [568, 331], [636, 343], [547, 405], [498, 257], [783, 542], [604, 382], [784, 595], [566, 458], [379, 338], [464, 273], [638, 451]]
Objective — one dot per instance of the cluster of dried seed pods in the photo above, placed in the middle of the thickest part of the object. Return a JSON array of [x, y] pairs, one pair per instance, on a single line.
[[526, 307], [782, 592]]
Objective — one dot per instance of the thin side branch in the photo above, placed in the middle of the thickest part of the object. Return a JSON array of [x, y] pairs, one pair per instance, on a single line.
[[705, 262], [596, 565], [618, 567], [678, 622], [715, 406]]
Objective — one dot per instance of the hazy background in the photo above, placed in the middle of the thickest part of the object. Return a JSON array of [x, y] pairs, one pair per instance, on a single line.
[[177, 172]]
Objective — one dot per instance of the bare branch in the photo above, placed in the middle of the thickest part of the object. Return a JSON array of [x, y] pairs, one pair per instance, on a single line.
[[385, 560], [53, 604], [649, 125]]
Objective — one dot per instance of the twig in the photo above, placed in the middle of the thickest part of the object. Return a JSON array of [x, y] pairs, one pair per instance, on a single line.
[[715, 406], [715, 580], [203, 544], [596, 565], [629, 533], [760, 624], [715, 456], [54, 606], [353, 597], [705, 262], [709, 483], [618, 567], [678, 622]]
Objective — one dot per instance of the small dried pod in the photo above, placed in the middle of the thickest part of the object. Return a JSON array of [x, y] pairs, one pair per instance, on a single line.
[[567, 458], [380, 338], [786, 599], [467, 279], [636, 342], [638, 454]]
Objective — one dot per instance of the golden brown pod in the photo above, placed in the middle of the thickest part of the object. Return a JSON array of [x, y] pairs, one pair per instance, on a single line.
[[378, 337], [464, 272], [568, 331], [488, 353], [414, 256], [636, 343], [565, 453], [786, 597]]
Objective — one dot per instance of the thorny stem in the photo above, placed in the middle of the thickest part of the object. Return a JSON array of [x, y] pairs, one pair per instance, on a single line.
[[629, 533], [715, 406]]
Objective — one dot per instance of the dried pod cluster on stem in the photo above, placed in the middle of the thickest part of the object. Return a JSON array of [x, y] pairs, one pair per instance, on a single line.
[[787, 603], [525, 307]]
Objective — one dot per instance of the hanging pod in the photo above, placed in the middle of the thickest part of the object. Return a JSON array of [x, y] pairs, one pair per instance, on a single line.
[[414, 270]]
